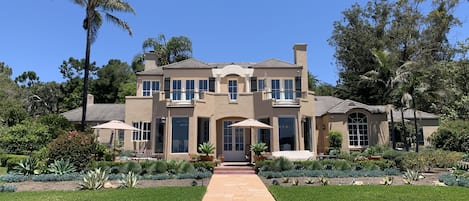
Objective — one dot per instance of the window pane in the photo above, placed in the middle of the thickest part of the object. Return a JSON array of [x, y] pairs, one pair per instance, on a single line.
[[159, 136], [189, 89], [276, 89], [288, 89], [286, 127], [180, 134], [227, 136], [358, 129], [146, 88], [176, 89], [203, 130], [233, 89], [260, 86], [264, 134]]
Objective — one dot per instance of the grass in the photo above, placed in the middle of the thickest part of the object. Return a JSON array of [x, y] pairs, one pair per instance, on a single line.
[[363, 193], [159, 193]]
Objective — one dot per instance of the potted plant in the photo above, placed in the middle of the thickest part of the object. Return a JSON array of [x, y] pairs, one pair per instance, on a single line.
[[258, 148], [206, 148]]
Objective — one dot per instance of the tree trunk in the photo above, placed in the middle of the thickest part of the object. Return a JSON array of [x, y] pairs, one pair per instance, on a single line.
[[87, 71], [393, 135], [416, 127], [404, 130]]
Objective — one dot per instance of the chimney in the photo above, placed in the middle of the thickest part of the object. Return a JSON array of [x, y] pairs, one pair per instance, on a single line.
[[150, 60], [90, 99], [300, 57]]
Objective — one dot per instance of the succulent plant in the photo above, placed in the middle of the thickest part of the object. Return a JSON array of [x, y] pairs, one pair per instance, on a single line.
[[61, 167], [129, 180], [94, 179]]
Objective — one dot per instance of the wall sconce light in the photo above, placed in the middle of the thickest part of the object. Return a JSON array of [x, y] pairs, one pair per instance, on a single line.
[[163, 120]]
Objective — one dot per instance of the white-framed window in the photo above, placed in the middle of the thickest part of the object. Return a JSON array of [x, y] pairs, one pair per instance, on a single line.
[[260, 85], [275, 89], [177, 89], [288, 88], [150, 87], [357, 129], [189, 89], [144, 133], [203, 86], [233, 89]]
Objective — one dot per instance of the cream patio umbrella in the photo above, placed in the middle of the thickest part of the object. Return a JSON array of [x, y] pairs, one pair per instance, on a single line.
[[250, 123], [115, 125]]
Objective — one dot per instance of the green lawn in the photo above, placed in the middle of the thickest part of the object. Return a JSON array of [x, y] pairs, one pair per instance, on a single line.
[[160, 193], [3, 170], [363, 193]]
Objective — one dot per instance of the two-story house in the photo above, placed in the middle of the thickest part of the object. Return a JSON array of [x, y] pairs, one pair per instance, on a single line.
[[181, 105]]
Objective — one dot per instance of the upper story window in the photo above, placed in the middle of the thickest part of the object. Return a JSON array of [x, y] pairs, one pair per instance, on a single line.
[[357, 129], [189, 89], [288, 89], [177, 90], [203, 86], [233, 89], [260, 85], [150, 87], [276, 89]]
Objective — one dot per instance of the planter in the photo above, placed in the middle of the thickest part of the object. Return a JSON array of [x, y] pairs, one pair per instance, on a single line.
[[206, 158], [259, 158]]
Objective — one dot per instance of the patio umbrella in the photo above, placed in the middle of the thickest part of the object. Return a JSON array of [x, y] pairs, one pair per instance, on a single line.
[[115, 125], [250, 123]]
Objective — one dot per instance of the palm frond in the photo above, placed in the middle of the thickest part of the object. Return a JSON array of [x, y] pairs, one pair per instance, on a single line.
[[82, 3], [119, 22], [405, 99], [149, 43], [117, 5]]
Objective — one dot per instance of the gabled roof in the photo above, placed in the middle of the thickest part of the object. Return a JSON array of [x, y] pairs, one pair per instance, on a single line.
[[156, 71], [188, 63], [274, 63], [333, 105], [97, 113]]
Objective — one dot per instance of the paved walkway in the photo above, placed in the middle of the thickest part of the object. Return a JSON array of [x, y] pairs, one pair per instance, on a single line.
[[242, 187]]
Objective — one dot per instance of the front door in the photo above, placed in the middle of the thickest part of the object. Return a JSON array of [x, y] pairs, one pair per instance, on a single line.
[[233, 142]]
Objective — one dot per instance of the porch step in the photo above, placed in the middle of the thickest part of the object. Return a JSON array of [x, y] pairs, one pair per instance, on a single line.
[[227, 169]]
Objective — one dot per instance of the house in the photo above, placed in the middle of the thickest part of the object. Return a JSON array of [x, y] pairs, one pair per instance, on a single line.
[[181, 105]]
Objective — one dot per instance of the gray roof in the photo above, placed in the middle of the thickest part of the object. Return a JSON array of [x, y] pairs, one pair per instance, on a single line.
[[97, 113], [192, 63], [409, 114], [274, 63], [333, 105]]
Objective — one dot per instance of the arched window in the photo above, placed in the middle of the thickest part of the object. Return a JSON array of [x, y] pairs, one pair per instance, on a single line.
[[357, 129]]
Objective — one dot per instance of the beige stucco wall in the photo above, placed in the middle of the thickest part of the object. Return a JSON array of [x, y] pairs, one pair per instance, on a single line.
[[136, 109], [378, 132]]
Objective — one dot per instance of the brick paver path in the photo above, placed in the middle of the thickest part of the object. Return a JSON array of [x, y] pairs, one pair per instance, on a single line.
[[223, 187]]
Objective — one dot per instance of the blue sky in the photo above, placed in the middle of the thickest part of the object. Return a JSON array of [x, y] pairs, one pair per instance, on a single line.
[[39, 35]]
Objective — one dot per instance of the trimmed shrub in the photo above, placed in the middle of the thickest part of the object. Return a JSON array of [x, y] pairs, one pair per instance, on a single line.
[[131, 166], [57, 177], [7, 188], [282, 164], [79, 148], [202, 166], [452, 136], [10, 160], [14, 178]]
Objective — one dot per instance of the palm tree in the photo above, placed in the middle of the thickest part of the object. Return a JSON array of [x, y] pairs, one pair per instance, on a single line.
[[92, 22], [174, 50]]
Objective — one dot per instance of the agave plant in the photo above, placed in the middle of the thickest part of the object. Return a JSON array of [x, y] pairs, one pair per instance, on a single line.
[[206, 148], [61, 167], [258, 148], [94, 179], [27, 166], [129, 180]]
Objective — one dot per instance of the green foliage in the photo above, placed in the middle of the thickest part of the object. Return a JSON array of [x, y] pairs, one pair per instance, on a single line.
[[258, 148], [282, 164], [129, 180], [425, 160], [78, 148], [132, 166], [202, 166], [61, 167], [176, 49], [206, 148], [335, 139], [110, 79], [28, 166], [14, 178], [411, 175], [452, 136], [7, 188], [185, 167], [57, 124], [25, 137], [94, 179], [57, 177]]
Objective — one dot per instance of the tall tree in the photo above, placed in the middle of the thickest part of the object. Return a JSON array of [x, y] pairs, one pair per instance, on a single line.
[[110, 78], [176, 49], [92, 22]]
